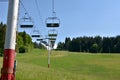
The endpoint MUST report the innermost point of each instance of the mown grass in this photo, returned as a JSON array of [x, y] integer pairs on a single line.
[[67, 66]]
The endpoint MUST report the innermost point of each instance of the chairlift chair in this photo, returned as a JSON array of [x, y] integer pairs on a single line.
[[39, 39], [52, 33], [26, 22], [52, 43], [52, 22], [35, 33], [52, 39]]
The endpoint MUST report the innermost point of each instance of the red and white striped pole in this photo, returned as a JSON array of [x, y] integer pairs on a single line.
[[10, 41]]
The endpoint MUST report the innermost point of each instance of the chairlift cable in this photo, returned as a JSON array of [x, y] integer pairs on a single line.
[[26, 18], [36, 2], [26, 12], [39, 12], [53, 9], [53, 6]]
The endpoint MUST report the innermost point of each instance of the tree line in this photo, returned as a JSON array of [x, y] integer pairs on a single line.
[[24, 41], [95, 44]]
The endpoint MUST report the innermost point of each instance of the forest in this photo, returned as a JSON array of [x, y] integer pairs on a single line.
[[95, 44]]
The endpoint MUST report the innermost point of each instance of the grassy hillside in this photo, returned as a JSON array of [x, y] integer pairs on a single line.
[[67, 66]]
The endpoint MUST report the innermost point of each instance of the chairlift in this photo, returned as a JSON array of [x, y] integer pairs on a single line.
[[52, 33], [52, 42], [52, 39], [53, 22], [35, 33], [44, 42], [39, 39], [26, 22]]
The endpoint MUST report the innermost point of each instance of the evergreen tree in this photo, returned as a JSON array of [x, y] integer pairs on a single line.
[[67, 43], [2, 37], [60, 46]]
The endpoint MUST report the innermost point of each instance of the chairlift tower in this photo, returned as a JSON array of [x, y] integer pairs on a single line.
[[7, 71], [52, 22]]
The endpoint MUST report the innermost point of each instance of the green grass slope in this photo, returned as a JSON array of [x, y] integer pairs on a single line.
[[67, 66]]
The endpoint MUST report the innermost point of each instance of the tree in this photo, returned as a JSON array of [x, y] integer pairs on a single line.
[[117, 44], [24, 42], [94, 48], [60, 46], [74, 45], [67, 43], [106, 45], [36, 45], [2, 37]]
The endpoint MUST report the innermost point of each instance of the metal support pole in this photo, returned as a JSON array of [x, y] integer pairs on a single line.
[[10, 41], [49, 58], [49, 52]]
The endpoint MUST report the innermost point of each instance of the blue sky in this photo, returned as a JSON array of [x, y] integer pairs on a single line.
[[78, 17]]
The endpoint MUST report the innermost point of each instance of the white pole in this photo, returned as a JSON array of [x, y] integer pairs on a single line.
[[10, 39], [49, 51]]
